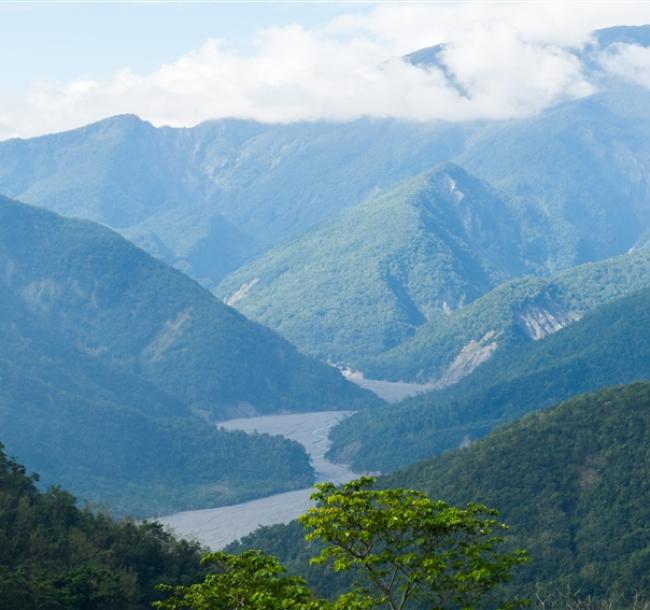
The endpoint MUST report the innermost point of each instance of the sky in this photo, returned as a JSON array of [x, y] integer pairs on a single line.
[[67, 64]]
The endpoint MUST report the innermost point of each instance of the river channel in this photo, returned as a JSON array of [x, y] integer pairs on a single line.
[[217, 527]]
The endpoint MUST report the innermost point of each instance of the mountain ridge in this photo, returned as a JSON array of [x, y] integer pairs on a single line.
[[607, 346], [399, 259], [109, 351]]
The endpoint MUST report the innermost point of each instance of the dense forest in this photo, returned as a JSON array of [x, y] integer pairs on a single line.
[[131, 312], [426, 246], [54, 556], [117, 440], [522, 310]]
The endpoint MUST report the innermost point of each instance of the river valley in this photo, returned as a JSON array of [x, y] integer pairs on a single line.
[[217, 527]]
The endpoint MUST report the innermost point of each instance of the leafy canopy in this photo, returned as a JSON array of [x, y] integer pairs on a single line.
[[252, 580], [408, 546]]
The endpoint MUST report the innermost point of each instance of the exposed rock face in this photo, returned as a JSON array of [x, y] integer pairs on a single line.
[[471, 356], [241, 292], [171, 331], [40, 295], [540, 320]]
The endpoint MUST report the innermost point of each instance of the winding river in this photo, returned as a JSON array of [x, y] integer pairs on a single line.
[[217, 527]]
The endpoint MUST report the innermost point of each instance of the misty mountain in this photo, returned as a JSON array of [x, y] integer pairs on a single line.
[[576, 182], [119, 441], [230, 196], [208, 198], [130, 311], [583, 164]]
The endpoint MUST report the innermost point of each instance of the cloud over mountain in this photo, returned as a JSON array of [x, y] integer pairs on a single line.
[[350, 67]]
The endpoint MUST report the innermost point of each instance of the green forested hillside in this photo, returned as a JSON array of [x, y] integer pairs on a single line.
[[109, 358], [127, 310], [364, 282], [54, 556], [608, 346], [119, 441], [573, 483], [584, 163], [208, 198], [450, 346]]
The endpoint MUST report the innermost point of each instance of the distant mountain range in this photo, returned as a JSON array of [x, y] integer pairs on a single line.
[[114, 364], [209, 198], [539, 195]]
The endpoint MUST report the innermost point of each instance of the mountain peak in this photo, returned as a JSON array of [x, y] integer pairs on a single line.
[[625, 34]]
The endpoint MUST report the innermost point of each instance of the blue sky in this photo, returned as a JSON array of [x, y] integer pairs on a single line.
[[65, 41], [68, 64]]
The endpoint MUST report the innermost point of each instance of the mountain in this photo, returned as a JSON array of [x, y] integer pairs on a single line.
[[574, 178], [117, 440], [54, 555], [584, 164], [114, 366], [571, 481], [219, 196], [208, 198], [448, 347], [607, 346], [128, 310], [363, 283]]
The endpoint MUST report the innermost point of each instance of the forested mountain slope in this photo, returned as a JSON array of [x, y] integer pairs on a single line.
[[364, 282], [584, 163], [610, 345], [108, 356], [208, 198], [117, 440], [572, 482], [127, 310], [54, 555], [450, 346]]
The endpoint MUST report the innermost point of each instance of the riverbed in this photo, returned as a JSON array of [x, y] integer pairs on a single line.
[[217, 527]]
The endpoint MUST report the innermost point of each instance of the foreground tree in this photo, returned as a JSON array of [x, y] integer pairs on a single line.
[[408, 548], [408, 551], [252, 580]]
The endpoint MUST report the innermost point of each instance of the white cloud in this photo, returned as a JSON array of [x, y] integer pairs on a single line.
[[512, 60], [629, 62]]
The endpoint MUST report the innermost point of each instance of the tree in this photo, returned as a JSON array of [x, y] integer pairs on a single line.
[[409, 548], [251, 581]]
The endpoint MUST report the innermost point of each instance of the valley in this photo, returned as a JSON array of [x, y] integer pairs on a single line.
[[211, 306], [218, 527]]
